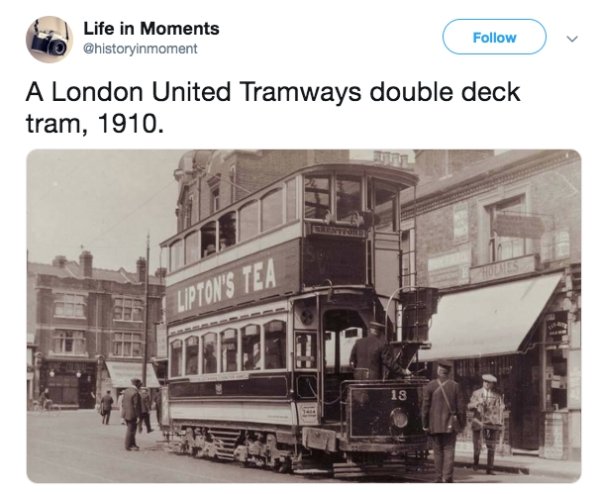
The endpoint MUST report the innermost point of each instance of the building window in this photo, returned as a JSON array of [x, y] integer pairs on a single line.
[[348, 198], [501, 246], [189, 208], [69, 342], [128, 309], [69, 305], [272, 210], [317, 197], [176, 358], [215, 203], [126, 344], [191, 355]]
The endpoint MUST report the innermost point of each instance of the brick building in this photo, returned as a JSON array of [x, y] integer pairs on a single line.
[[88, 328], [500, 235]]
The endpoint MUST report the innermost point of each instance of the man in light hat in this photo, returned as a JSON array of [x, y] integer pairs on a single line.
[[366, 357], [488, 409], [132, 412], [443, 415]]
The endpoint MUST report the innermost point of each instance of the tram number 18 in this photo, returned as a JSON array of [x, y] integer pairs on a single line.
[[399, 394]]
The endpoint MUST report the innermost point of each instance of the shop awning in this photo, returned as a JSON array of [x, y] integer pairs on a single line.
[[121, 374], [492, 320]]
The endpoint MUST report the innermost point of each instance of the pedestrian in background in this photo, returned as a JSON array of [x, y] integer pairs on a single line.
[[146, 403], [443, 415], [131, 412], [488, 408], [158, 406], [106, 403]]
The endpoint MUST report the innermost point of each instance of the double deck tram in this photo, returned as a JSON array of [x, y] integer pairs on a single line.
[[264, 302]]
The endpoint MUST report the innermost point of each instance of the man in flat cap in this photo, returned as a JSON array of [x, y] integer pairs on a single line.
[[366, 357], [443, 415], [131, 411], [488, 413]]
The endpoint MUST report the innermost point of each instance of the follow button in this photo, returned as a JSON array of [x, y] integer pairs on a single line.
[[494, 36]]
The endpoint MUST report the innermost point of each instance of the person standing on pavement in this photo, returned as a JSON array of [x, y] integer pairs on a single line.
[[488, 408], [106, 403], [146, 407], [131, 412], [443, 415]]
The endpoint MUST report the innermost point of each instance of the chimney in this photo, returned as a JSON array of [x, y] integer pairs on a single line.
[[161, 274], [141, 269], [85, 261], [59, 262]]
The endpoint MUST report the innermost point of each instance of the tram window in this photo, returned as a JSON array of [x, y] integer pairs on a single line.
[[385, 209], [251, 347], [191, 355], [272, 209], [229, 346], [176, 255], [275, 345], [176, 354], [209, 343], [192, 248], [290, 200], [317, 197], [226, 230], [348, 197], [208, 239], [249, 220], [306, 350]]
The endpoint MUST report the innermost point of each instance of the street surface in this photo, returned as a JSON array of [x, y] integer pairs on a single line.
[[74, 446]]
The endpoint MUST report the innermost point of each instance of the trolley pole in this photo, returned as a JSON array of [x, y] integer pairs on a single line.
[[146, 311]]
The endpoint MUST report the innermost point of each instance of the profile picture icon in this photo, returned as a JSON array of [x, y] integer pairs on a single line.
[[49, 39]]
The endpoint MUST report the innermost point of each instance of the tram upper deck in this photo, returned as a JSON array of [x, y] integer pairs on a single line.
[[328, 224]]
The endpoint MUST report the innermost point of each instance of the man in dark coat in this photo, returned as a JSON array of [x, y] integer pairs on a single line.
[[146, 407], [131, 411], [367, 355], [106, 403], [442, 398]]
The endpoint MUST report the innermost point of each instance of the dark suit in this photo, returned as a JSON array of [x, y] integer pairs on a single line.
[[106, 407], [367, 354], [131, 411], [436, 417]]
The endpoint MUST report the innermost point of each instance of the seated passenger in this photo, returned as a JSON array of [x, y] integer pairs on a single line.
[[210, 249]]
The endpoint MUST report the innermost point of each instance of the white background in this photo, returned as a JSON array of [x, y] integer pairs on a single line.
[[310, 42]]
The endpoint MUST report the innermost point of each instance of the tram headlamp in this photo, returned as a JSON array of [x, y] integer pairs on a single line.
[[399, 418]]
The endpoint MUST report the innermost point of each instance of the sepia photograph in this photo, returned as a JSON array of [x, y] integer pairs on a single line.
[[304, 316]]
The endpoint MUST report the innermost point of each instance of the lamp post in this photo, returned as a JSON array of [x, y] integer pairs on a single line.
[[146, 310]]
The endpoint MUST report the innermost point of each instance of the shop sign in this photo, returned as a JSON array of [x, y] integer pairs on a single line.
[[512, 225], [557, 326], [504, 269], [271, 272], [450, 268], [335, 230]]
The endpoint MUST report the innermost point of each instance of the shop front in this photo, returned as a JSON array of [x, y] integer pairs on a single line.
[[71, 383], [523, 332]]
